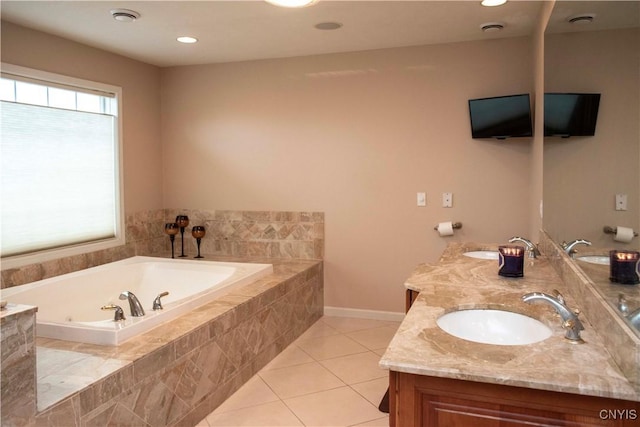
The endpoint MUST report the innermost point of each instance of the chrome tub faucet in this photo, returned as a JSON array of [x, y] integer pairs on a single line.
[[570, 320], [134, 303], [532, 248], [569, 248]]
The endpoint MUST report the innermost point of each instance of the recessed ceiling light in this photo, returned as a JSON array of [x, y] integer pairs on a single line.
[[583, 18], [124, 15], [187, 39], [328, 25], [491, 27], [291, 3], [491, 3]]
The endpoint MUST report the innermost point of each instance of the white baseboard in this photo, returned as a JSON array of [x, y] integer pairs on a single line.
[[364, 314]]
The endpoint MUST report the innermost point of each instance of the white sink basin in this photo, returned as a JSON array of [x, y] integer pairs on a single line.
[[594, 259], [482, 254], [493, 327]]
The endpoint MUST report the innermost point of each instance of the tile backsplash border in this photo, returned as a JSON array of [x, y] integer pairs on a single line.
[[270, 234]]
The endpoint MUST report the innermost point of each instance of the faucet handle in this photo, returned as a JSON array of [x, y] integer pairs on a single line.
[[157, 304], [118, 315], [558, 296]]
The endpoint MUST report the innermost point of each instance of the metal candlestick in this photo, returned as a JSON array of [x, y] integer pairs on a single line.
[[182, 221], [198, 232], [171, 228]]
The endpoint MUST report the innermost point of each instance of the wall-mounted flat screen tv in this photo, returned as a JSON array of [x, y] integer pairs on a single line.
[[570, 114], [501, 117]]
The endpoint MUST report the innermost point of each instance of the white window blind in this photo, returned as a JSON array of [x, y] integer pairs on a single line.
[[59, 166]]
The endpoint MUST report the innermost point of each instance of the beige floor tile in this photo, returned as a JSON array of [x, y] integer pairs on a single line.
[[290, 356], [380, 422], [319, 329], [272, 414], [253, 392], [356, 368], [337, 407], [373, 390], [350, 324], [329, 347], [374, 338], [300, 379]]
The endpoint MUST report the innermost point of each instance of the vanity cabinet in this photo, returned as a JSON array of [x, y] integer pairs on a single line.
[[419, 400]]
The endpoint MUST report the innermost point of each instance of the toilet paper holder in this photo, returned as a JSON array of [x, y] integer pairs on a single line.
[[455, 226], [611, 230]]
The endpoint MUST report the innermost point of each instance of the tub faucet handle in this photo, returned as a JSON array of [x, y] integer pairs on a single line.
[[119, 314], [157, 304]]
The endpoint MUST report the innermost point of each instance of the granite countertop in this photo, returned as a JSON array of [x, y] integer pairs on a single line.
[[459, 282]]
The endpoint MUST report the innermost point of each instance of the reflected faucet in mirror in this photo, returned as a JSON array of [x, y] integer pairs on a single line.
[[569, 248], [634, 316]]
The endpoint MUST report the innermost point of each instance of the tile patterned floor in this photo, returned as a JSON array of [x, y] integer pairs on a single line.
[[327, 377]]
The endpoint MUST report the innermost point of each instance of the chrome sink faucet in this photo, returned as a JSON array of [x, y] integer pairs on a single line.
[[570, 320], [569, 247], [532, 249], [134, 303]]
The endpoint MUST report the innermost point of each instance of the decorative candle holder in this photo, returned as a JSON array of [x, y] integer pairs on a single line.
[[182, 221], [171, 229], [511, 261], [624, 267], [198, 233]]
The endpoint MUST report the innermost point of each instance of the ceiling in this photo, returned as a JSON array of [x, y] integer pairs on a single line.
[[243, 30]]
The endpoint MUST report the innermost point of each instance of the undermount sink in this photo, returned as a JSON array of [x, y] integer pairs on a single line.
[[594, 259], [482, 254], [496, 327]]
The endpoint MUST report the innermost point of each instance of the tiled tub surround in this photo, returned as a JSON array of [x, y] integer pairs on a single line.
[[269, 234], [179, 372], [457, 282], [621, 342], [18, 387]]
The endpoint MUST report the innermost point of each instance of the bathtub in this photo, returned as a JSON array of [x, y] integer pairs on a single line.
[[69, 306]]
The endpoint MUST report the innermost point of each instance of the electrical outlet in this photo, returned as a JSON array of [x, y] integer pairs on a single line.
[[621, 202], [422, 199], [447, 200]]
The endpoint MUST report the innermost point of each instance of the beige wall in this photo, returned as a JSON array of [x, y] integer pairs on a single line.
[[141, 101], [583, 174], [355, 136]]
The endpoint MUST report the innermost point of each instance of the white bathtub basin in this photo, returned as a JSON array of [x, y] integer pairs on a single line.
[[69, 306], [496, 327]]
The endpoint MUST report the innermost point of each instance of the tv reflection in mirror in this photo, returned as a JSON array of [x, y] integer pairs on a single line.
[[570, 114], [501, 117]]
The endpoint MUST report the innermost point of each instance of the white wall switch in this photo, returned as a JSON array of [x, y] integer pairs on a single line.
[[422, 199], [447, 200], [621, 202]]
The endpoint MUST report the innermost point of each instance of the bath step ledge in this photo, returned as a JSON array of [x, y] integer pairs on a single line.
[[391, 316]]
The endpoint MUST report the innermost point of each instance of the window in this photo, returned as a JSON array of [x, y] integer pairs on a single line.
[[60, 191]]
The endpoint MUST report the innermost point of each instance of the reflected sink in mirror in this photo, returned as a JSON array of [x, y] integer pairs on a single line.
[[594, 259], [497, 327], [482, 254]]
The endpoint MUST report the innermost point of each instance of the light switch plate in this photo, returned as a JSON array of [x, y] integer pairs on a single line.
[[447, 200], [621, 202], [421, 199]]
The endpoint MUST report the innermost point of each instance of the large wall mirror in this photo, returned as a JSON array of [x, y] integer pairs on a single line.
[[599, 52]]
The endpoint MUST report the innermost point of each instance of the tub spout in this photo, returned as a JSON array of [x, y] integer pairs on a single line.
[[134, 303]]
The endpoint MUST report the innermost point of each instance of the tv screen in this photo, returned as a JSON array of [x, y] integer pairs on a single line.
[[501, 117], [570, 114]]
